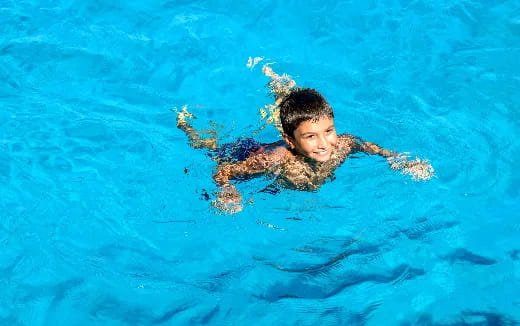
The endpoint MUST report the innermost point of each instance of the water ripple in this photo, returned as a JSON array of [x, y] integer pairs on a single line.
[[303, 288], [464, 255]]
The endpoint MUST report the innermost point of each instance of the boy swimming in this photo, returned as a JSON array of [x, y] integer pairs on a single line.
[[306, 157]]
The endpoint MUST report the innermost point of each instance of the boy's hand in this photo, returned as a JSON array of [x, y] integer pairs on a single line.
[[228, 200], [182, 115], [418, 169]]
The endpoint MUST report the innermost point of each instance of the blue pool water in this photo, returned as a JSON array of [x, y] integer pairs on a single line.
[[104, 217]]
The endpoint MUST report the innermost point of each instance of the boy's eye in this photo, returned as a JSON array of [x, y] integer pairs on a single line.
[[310, 137]]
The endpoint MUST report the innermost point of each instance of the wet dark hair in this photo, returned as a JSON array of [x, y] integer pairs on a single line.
[[302, 104]]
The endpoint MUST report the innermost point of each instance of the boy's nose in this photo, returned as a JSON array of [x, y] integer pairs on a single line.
[[322, 142]]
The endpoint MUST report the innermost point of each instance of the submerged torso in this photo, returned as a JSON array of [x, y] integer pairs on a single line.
[[289, 168], [298, 172]]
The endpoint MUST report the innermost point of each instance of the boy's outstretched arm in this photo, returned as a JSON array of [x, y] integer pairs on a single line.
[[228, 198], [196, 140], [372, 148], [280, 85], [355, 144], [418, 169]]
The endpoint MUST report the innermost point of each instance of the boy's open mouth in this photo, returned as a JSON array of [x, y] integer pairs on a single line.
[[322, 154]]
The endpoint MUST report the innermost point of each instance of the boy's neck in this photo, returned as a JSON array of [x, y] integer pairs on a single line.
[[313, 164]]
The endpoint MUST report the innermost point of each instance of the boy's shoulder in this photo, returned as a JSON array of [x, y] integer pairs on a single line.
[[275, 155], [279, 151], [347, 140], [272, 152], [346, 145]]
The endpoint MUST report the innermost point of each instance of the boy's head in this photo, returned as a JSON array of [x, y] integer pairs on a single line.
[[302, 104], [308, 124]]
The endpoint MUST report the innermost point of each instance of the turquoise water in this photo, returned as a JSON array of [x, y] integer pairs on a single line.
[[104, 211]]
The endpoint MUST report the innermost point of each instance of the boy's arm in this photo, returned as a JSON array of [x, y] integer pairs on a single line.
[[255, 164], [228, 199], [356, 144], [372, 148], [418, 169]]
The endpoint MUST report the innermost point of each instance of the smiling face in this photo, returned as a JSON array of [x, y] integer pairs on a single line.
[[315, 139]]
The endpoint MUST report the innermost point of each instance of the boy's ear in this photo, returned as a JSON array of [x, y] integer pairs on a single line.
[[289, 140]]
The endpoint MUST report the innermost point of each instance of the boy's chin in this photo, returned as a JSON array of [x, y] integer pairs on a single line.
[[321, 158]]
